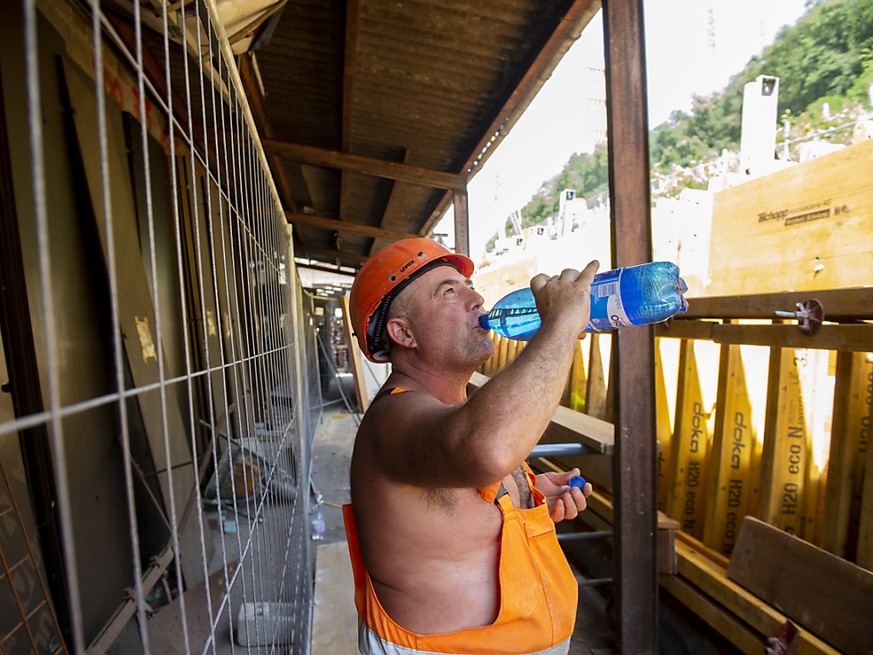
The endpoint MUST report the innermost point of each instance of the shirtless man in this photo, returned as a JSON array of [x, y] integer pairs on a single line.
[[451, 536]]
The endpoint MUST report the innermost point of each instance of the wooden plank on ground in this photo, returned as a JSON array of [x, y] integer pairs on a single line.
[[737, 632], [705, 571], [697, 566], [823, 592]]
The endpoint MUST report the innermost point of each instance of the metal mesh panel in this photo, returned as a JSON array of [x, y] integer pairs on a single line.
[[160, 381]]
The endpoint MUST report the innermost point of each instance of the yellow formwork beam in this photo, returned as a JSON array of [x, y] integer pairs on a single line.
[[786, 455], [865, 528], [663, 429], [850, 439], [510, 352], [730, 458], [578, 379], [502, 351], [595, 392], [686, 499]]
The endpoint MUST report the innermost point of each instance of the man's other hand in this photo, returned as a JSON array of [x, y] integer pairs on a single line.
[[565, 502]]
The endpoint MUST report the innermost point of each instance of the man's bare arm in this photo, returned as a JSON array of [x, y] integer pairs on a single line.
[[423, 442]]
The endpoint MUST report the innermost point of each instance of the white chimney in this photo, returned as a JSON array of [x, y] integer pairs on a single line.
[[758, 134]]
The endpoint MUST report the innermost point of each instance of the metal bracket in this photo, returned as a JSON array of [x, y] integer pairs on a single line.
[[809, 315]]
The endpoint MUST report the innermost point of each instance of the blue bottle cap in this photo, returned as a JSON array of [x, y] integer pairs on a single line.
[[577, 481]]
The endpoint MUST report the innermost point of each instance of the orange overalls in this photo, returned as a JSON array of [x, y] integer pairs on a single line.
[[538, 593]]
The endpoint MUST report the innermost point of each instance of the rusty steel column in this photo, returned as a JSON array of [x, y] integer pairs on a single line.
[[634, 472]]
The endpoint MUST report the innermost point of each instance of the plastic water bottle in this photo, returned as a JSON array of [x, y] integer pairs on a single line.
[[634, 295], [318, 526]]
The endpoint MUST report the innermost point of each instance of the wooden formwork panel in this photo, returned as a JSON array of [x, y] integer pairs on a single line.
[[807, 227]]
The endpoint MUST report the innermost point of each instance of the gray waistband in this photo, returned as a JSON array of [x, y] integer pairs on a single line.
[[369, 643]]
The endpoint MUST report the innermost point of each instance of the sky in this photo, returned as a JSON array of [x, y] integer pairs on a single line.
[[692, 48]]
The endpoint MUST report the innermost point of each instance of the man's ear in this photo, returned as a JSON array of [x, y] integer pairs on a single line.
[[400, 332]]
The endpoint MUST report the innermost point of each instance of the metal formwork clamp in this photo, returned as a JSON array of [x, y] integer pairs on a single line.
[[809, 315]]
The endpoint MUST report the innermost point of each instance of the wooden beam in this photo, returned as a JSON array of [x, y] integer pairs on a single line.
[[256, 102], [324, 269], [152, 69], [326, 255], [865, 527], [350, 64], [462, 222], [856, 338], [365, 165], [636, 452], [565, 34], [350, 58], [344, 226], [729, 462], [848, 338], [390, 205], [839, 304]]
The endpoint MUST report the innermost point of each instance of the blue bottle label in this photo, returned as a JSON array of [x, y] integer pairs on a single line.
[[617, 316], [607, 308]]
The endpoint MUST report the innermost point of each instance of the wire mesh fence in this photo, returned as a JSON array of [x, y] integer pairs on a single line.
[[160, 383]]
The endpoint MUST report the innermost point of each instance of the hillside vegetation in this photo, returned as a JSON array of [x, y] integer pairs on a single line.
[[826, 59]]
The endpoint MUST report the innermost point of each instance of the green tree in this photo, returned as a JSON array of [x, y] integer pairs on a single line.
[[826, 57]]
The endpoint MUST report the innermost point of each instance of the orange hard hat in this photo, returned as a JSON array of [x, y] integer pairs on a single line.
[[382, 277]]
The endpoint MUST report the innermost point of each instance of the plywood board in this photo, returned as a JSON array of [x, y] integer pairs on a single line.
[[356, 358], [803, 228], [710, 577], [168, 438]]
